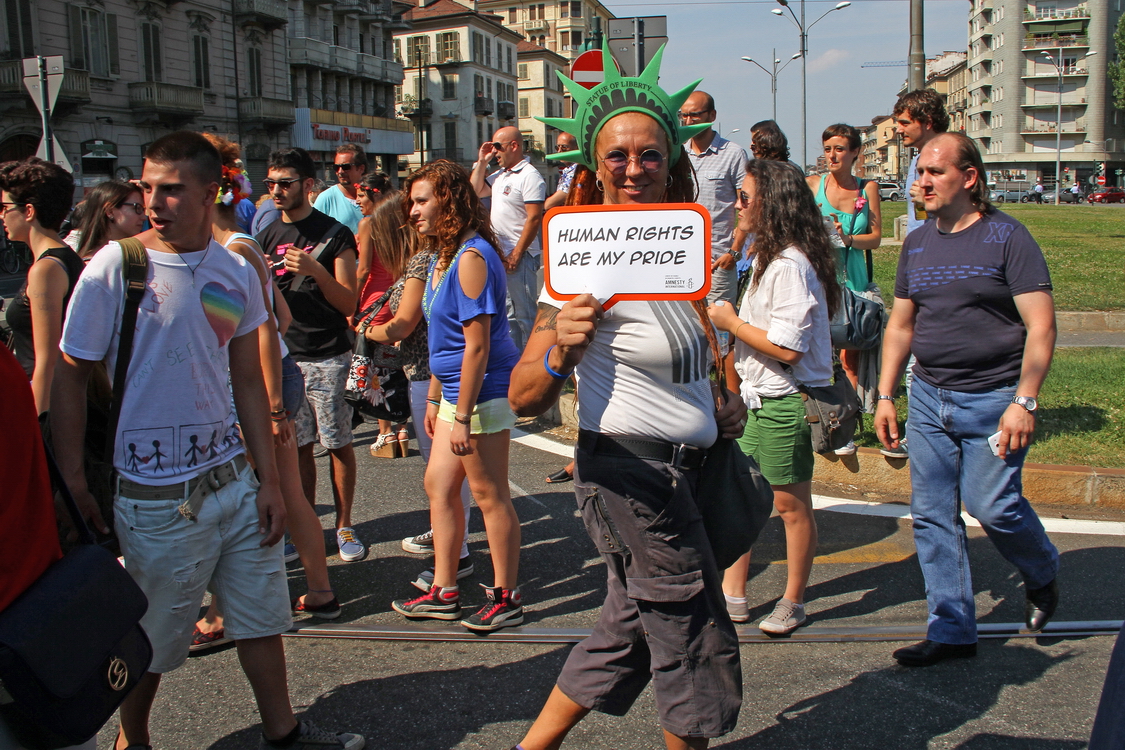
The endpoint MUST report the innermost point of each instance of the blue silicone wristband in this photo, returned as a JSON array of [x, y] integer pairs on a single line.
[[552, 373]]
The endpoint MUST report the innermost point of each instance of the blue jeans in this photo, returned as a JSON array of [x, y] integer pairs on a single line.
[[523, 296], [950, 465], [1109, 723]]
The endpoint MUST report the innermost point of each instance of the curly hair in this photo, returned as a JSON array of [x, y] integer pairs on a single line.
[[231, 154], [585, 190], [786, 215], [768, 142], [394, 240], [458, 205], [39, 183], [842, 130], [924, 106], [94, 227]]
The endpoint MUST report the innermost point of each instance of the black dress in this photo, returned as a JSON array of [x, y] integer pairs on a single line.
[[18, 312]]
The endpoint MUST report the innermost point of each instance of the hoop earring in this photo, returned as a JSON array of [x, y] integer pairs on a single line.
[[598, 184]]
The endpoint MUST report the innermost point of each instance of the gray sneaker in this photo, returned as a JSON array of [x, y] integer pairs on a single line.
[[738, 611], [900, 452], [787, 616], [312, 737]]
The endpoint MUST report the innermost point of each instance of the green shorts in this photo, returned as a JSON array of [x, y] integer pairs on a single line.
[[492, 416], [779, 439]]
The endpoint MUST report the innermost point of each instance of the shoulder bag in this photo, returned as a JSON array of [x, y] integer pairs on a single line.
[[377, 386], [832, 411], [71, 646], [102, 415], [733, 497], [858, 324]]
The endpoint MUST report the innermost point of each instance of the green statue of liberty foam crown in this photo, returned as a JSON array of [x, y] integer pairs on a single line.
[[618, 94]]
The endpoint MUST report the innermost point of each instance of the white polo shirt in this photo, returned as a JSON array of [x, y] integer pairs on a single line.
[[511, 189]]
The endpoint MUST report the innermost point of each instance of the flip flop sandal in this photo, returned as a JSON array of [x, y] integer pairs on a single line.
[[201, 641]]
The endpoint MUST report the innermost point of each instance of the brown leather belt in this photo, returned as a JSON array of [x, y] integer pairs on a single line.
[[193, 491]]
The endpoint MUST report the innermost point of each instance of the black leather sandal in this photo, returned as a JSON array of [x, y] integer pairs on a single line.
[[560, 476]]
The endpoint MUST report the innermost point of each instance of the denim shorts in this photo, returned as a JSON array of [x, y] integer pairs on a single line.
[[292, 386], [175, 561], [324, 414]]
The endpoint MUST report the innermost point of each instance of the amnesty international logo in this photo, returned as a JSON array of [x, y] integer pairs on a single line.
[[117, 674]]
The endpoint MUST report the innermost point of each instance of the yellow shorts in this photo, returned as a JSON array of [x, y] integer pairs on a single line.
[[487, 418]]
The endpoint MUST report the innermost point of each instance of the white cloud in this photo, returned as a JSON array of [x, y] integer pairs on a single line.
[[828, 60]]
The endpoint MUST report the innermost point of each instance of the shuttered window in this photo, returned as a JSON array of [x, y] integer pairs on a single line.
[[254, 70], [93, 41], [151, 52], [201, 61], [21, 38]]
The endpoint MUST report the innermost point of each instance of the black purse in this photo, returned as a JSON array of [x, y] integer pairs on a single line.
[[858, 324], [733, 497], [71, 646]]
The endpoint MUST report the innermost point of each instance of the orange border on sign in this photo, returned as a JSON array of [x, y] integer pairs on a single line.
[[688, 296]]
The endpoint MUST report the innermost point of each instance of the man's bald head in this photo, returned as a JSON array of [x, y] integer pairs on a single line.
[[701, 105], [511, 146], [951, 169]]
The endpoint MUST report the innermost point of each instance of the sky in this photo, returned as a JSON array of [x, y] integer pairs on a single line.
[[708, 39]]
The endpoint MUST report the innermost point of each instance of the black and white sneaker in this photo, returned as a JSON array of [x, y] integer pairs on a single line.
[[504, 609], [426, 577], [436, 604], [312, 737], [423, 544]]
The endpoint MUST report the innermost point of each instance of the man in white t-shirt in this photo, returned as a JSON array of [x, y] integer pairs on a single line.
[[339, 201], [190, 513], [518, 192]]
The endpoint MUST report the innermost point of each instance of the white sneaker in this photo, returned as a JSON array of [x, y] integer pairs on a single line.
[[351, 549], [423, 544], [786, 617], [900, 452], [847, 450]]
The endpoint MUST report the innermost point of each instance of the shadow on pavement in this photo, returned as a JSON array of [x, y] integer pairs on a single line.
[[914, 706]]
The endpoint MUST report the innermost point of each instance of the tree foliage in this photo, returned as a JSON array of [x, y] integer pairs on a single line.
[[1117, 66]]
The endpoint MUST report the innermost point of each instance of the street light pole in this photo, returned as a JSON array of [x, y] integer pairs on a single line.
[[773, 75], [804, 35], [1058, 119]]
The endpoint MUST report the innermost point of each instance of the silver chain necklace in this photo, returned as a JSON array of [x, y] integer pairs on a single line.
[[197, 265]]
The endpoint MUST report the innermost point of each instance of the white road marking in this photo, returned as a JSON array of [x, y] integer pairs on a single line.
[[861, 507]]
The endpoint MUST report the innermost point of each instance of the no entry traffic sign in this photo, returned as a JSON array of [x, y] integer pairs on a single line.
[[587, 70]]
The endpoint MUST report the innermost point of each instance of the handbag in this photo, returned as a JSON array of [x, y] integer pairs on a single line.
[[832, 411], [858, 324], [103, 401], [733, 497], [71, 646], [377, 387]]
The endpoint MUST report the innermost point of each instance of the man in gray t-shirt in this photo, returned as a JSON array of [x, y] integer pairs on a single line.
[[719, 167]]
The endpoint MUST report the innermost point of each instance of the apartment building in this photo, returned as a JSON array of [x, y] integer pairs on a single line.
[[883, 154], [540, 93], [460, 79], [135, 71], [343, 77], [562, 26], [1013, 88]]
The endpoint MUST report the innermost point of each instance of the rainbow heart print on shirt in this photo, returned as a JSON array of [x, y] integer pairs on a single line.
[[224, 309]]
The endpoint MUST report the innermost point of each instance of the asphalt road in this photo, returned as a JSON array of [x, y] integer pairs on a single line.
[[1025, 693]]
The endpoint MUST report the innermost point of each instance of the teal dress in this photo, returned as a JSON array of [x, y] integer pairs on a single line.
[[851, 260]]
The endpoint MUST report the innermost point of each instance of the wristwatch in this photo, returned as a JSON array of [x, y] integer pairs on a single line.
[[885, 397], [1028, 402]]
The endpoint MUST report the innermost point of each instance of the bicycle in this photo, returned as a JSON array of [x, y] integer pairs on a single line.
[[14, 256]]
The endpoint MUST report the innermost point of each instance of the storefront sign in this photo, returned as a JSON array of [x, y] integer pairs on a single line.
[[339, 135]]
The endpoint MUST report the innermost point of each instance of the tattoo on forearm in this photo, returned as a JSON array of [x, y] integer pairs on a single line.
[[545, 320]]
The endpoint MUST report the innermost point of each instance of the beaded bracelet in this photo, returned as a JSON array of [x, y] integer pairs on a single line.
[[550, 371], [433, 401]]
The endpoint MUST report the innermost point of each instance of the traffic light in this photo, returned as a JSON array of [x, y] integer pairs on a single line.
[[1100, 169]]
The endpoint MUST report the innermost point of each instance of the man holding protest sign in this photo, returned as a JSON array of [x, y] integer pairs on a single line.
[[518, 192], [648, 414]]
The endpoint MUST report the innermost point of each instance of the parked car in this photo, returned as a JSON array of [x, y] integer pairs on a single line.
[[1065, 197], [1009, 196], [891, 191], [1108, 195]]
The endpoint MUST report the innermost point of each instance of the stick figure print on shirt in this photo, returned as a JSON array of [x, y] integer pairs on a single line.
[[194, 451], [157, 455], [132, 461]]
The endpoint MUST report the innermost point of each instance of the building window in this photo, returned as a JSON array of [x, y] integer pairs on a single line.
[[201, 61], [575, 39], [576, 10], [151, 62], [478, 85], [523, 107], [398, 94], [448, 86], [523, 72], [449, 47], [509, 59], [564, 40], [417, 51], [488, 88], [564, 9], [478, 47], [93, 38], [398, 51], [254, 70], [21, 35], [336, 35], [512, 13], [550, 108], [488, 53], [450, 138]]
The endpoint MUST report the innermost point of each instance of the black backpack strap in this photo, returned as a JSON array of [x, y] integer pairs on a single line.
[[299, 279], [135, 271], [85, 536]]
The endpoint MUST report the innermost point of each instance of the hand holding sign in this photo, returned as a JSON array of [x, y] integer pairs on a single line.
[[659, 251]]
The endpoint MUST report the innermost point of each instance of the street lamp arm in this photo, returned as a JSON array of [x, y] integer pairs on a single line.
[[755, 62], [841, 6]]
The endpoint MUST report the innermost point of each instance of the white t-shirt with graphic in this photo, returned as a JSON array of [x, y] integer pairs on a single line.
[[176, 418], [512, 189], [646, 374]]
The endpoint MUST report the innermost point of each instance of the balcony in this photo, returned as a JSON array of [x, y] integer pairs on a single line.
[[1055, 41], [375, 10], [269, 14], [1031, 127], [483, 105], [398, 23], [416, 108], [312, 53], [537, 26], [985, 105], [506, 110], [75, 86], [1053, 14], [378, 69], [263, 112], [343, 60], [453, 154], [165, 102], [350, 6], [1051, 99]]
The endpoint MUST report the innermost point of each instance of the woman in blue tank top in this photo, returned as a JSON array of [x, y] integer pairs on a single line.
[[467, 413]]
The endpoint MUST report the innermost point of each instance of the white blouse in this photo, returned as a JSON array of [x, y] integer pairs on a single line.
[[788, 303]]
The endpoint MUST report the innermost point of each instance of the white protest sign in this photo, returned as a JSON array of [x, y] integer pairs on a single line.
[[640, 252]]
